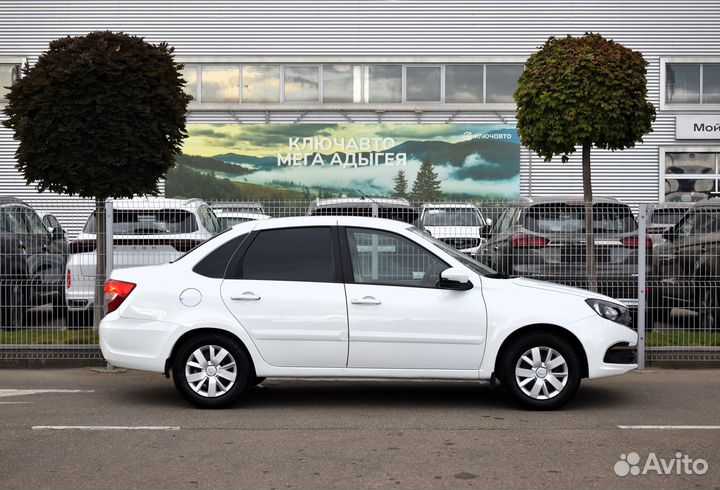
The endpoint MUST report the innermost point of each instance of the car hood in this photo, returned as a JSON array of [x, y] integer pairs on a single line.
[[454, 231], [559, 288]]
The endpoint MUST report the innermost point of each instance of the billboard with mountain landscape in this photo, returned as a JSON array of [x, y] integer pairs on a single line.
[[295, 161]]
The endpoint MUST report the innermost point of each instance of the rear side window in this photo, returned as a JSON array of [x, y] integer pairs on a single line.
[[216, 262], [148, 222], [570, 218], [290, 254]]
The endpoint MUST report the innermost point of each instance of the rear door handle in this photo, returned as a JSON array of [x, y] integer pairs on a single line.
[[367, 300], [246, 296]]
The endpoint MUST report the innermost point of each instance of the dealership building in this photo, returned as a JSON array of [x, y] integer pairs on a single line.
[[410, 62]]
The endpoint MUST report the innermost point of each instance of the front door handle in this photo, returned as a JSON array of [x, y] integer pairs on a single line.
[[367, 300], [246, 296]]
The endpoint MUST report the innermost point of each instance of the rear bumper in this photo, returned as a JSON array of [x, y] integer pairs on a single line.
[[136, 344]]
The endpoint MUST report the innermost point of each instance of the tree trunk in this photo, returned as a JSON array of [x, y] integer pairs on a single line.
[[590, 269], [100, 262]]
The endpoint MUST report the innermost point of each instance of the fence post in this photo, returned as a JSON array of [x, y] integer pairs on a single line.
[[642, 283], [108, 238]]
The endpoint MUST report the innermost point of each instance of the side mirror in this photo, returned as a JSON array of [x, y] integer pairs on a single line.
[[53, 226], [489, 222], [456, 279], [670, 234]]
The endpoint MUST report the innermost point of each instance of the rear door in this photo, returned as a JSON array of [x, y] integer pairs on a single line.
[[286, 292]]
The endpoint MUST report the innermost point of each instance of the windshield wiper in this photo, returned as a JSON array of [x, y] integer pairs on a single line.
[[498, 275]]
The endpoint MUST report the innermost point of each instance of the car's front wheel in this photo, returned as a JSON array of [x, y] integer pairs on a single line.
[[212, 371], [540, 371]]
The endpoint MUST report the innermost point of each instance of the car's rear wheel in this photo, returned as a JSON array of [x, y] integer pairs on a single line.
[[540, 371], [212, 371]]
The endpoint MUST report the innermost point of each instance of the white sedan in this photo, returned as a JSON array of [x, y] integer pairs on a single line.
[[349, 297]]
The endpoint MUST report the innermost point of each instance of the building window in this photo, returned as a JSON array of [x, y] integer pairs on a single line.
[[423, 84], [302, 83], [502, 81], [190, 75], [220, 83], [384, 83], [692, 83], [464, 83], [261, 83], [342, 83], [9, 73], [691, 176], [387, 83]]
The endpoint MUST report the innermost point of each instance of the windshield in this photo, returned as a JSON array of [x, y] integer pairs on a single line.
[[452, 217], [148, 222], [668, 216], [471, 264], [570, 218]]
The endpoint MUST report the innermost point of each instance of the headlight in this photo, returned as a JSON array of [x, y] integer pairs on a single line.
[[610, 311]]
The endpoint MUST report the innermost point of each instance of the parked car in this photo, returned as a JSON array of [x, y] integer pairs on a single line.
[[348, 297], [395, 209], [146, 231], [32, 261], [238, 207], [228, 219], [686, 267], [544, 238], [663, 217], [461, 225]]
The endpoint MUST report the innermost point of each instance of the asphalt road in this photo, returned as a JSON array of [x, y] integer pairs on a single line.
[[339, 434]]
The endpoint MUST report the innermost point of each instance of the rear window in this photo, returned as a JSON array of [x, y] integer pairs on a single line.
[[570, 218], [148, 222], [397, 213], [452, 217], [668, 216]]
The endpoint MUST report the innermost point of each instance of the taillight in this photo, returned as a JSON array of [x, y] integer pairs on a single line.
[[82, 246], [68, 283], [116, 292], [529, 241], [634, 241]]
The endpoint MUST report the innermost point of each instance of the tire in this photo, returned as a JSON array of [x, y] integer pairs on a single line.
[[191, 360], [708, 306], [524, 360], [75, 320], [12, 306]]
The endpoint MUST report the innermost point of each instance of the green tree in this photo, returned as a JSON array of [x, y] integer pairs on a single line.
[[426, 187], [401, 185], [102, 116], [583, 92]]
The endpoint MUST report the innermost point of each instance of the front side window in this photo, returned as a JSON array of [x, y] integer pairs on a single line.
[[290, 254], [209, 220], [33, 223], [700, 221], [384, 258]]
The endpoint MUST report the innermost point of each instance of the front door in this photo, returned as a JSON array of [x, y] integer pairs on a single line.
[[398, 316], [288, 295]]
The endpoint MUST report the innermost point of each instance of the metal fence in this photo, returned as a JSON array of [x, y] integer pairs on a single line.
[[659, 259]]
